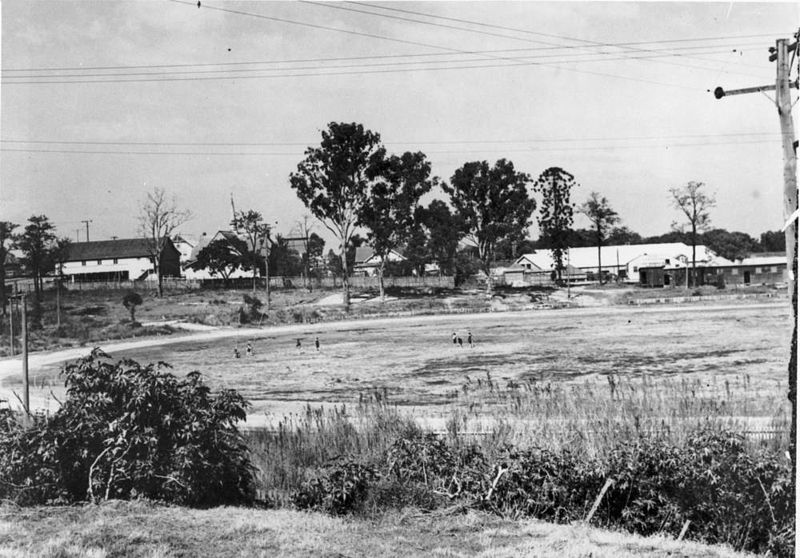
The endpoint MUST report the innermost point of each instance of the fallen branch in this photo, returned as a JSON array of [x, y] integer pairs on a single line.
[[500, 472], [769, 504], [684, 529], [609, 483]]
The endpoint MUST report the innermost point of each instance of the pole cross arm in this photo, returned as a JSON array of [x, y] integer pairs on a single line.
[[719, 92]]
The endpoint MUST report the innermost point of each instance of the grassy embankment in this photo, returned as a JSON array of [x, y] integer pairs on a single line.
[[139, 529]]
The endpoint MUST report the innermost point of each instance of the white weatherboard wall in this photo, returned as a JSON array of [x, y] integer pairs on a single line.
[[135, 267]]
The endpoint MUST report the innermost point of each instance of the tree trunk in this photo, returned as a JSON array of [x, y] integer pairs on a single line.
[[345, 279], [694, 247], [599, 262], [381, 270], [3, 284], [157, 269]]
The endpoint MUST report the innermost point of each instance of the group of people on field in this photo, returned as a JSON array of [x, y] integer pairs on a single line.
[[460, 342], [457, 341]]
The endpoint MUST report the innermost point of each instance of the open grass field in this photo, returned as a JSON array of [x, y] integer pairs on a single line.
[[142, 530], [413, 360]]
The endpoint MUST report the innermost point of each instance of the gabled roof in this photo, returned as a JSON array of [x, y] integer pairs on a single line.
[[366, 257], [363, 253], [107, 249]]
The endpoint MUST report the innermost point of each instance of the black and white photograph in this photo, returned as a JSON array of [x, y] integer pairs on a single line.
[[398, 278]]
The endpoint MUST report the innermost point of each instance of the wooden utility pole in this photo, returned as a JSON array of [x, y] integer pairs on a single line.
[[266, 264], [11, 324], [783, 100], [87, 221], [26, 402], [783, 84]]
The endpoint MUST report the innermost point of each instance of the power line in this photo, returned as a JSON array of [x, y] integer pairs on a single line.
[[438, 47], [346, 73], [518, 30], [374, 57], [441, 152], [419, 142], [308, 68], [589, 44]]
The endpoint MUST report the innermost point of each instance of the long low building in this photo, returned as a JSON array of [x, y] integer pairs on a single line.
[[625, 261], [118, 260]]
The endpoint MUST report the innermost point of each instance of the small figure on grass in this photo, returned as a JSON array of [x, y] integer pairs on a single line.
[[455, 338], [298, 344], [460, 343], [316, 342], [469, 339], [236, 353], [249, 349]]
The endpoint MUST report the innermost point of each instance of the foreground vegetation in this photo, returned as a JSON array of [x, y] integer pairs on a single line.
[[147, 530], [128, 431], [372, 459]]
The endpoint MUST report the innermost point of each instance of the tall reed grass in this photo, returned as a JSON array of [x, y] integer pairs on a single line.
[[594, 417], [591, 418]]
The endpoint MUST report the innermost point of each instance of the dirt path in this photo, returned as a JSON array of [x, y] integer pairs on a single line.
[[37, 361]]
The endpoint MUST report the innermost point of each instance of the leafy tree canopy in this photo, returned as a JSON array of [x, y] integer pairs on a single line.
[[490, 204], [730, 245], [556, 211], [223, 256]]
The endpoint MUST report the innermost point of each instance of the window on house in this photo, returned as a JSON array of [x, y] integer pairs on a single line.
[[116, 260], [83, 262], [99, 262], [765, 270], [774, 269], [635, 269], [734, 271]]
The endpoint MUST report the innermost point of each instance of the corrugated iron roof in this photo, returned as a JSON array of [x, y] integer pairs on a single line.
[[107, 249]]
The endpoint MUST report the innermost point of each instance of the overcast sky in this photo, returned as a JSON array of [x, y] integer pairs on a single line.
[[223, 99]]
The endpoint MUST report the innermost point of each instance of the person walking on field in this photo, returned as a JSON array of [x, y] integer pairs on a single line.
[[469, 339], [455, 338], [298, 345], [249, 349], [460, 343], [316, 342]]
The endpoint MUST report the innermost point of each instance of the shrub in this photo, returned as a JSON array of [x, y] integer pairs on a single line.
[[127, 430], [340, 487], [130, 301], [250, 312]]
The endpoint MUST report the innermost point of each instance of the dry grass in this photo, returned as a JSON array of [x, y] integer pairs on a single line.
[[141, 529], [415, 360]]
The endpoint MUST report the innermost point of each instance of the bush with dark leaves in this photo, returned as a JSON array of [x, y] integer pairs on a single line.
[[127, 430]]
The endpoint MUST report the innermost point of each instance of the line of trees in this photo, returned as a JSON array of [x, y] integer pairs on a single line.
[[352, 185], [42, 253]]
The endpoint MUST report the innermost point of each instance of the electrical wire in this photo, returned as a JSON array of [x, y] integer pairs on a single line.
[[10, 79], [419, 142], [351, 58], [440, 152], [526, 31]]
